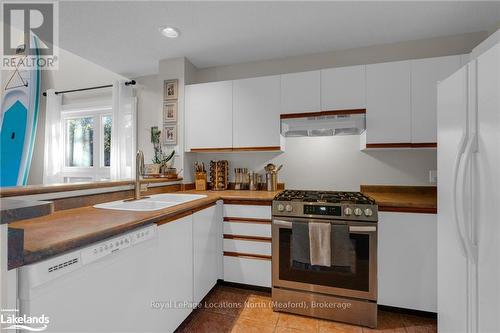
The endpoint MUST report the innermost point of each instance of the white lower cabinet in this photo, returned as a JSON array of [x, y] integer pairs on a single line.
[[407, 260], [206, 250], [189, 260], [255, 272], [248, 211], [247, 244], [248, 229], [175, 271]]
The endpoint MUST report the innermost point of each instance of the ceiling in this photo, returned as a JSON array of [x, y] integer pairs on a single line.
[[124, 36]]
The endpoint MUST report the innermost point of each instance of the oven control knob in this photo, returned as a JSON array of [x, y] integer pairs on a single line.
[[368, 212], [358, 211], [347, 211], [281, 208], [288, 208]]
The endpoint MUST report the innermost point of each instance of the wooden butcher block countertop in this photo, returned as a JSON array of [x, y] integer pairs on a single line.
[[70, 229], [407, 199]]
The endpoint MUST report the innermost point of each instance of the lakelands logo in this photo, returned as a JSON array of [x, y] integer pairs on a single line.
[[30, 35], [10, 320]]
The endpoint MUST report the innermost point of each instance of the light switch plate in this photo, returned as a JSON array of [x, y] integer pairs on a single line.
[[433, 177]]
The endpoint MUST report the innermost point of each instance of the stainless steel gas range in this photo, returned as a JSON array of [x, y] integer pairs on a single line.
[[324, 255]]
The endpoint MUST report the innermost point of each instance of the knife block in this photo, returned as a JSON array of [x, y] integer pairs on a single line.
[[200, 181]]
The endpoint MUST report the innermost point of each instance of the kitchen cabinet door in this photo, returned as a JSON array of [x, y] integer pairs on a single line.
[[256, 112], [407, 260], [209, 110], [300, 92], [388, 112], [343, 88], [175, 270], [207, 254], [425, 74]]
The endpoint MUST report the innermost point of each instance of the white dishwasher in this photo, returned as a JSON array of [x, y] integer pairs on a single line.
[[105, 287]]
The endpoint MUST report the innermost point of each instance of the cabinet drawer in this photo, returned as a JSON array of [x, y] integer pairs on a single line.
[[247, 246], [247, 229], [257, 212], [255, 272]]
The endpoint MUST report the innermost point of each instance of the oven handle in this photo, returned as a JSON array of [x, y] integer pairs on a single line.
[[352, 228], [282, 223], [355, 228]]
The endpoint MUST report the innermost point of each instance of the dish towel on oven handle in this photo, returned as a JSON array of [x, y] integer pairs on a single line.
[[300, 243], [342, 247], [320, 243]]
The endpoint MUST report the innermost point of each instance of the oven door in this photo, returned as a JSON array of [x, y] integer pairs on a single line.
[[358, 279]]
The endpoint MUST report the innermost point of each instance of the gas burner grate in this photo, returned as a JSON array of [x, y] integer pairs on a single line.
[[324, 196]]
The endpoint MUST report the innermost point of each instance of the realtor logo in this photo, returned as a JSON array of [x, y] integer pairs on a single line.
[[11, 320], [30, 35]]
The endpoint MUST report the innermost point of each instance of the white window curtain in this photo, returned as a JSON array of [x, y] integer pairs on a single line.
[[54, 142], [123, 131]]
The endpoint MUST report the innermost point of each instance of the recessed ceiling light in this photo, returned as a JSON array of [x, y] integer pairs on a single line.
[[169, 32]]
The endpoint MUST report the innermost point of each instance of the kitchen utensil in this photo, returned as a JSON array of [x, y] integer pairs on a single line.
[[241, 179], [272, 176], [254, 181]]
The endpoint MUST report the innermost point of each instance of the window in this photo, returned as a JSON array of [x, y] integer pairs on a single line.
[[80, 142], [106, 144], [87, 144]]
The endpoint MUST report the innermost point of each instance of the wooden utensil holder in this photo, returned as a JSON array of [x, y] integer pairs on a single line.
[[200, 181]]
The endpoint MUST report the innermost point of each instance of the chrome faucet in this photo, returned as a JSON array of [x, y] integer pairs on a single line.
[[139, 173]]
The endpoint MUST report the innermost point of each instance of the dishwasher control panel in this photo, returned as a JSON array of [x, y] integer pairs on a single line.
[[107, 247]]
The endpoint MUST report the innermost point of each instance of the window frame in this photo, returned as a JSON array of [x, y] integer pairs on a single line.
[[98, 171]]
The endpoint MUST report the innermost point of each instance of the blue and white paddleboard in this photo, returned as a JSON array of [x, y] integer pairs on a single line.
[[19, 116]]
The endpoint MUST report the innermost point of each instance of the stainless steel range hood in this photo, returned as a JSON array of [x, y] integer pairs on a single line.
[[325, 123]]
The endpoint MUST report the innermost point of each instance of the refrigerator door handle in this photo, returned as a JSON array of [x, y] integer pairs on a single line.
[[467, 156], [459, 214], [456, 169]]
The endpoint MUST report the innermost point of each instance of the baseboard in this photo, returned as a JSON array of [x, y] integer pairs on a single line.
[[417, 313], [243, 286]]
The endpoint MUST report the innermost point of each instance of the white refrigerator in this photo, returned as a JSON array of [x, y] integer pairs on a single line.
[[469, 197]]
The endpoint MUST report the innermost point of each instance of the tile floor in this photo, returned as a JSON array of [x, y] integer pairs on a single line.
[[234, 310]]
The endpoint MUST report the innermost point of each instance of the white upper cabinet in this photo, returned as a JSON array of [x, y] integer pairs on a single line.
[[209, 115], [388, 112], [256, 112], [300, 92], [343, 88], [425, 74]]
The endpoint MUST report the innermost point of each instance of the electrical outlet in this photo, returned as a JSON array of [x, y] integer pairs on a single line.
[[433, 177]]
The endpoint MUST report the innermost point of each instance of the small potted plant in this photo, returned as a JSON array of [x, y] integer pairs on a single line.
[[164, 161]]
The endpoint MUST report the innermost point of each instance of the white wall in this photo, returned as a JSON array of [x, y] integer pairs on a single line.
[[425, 48], [150, 96], [335, 163]]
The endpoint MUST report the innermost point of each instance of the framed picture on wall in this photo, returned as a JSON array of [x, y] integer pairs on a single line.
[[170, 134], [170, 90], [169, 111]]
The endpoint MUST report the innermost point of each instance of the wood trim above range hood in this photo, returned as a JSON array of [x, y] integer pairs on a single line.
[[322, 113], [402, 145]]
